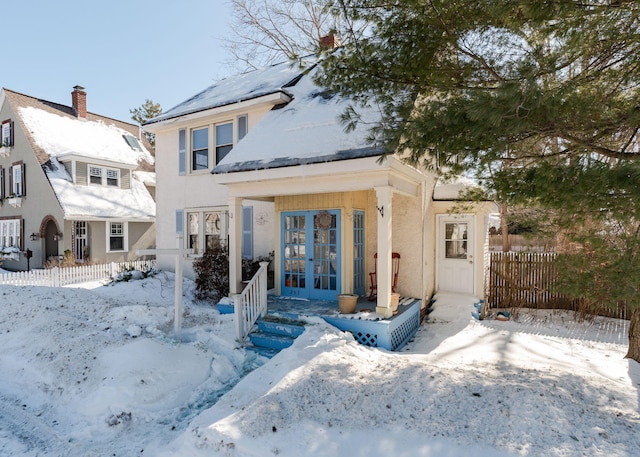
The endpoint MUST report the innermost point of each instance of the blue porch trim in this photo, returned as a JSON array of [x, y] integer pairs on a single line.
[[365, 326], [391, 334]]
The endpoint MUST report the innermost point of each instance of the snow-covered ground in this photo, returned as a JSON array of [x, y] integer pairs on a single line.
[[96, 371]]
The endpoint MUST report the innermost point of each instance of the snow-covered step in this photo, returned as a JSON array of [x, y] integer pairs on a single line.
[[271, 340], [280, 326]]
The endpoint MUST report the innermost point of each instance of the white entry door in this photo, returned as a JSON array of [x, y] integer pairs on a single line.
[[455, 253]]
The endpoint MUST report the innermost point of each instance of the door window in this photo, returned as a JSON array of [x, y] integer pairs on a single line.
[[456, 240]]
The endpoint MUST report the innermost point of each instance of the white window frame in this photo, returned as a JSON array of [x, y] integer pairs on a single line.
[[17, 187], [115, 174], [192, 151], [125, 236], [6, 134], [194, 225], [201, 213], [212, 143], [10, 233], [93, 170]]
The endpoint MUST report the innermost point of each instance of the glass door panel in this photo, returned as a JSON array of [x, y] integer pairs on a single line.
[[310, 254]]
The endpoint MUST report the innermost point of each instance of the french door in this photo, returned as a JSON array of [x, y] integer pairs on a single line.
[[311, 254]]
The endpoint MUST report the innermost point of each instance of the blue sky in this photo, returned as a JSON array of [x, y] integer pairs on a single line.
[[122, 52]]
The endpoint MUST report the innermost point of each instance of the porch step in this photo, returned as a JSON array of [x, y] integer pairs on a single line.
[[281, 326], [271, 340], [274, 334]]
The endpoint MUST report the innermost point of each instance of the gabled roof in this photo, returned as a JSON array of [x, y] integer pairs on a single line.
[[307, 130], [247, 86], [54, 132], [44, 113]]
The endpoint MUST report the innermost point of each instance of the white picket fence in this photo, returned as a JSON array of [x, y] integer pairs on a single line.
[[57, 277]]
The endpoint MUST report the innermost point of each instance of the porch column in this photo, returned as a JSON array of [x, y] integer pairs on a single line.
[[384, 268], [235, 245]]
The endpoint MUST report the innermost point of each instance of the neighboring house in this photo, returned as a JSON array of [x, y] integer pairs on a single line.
[[323, 200], [72, 181]]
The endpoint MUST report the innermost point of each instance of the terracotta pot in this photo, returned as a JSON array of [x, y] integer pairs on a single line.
[[347, 303]]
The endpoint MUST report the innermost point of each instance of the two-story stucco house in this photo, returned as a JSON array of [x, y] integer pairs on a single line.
[[324, 199], [71, 181]]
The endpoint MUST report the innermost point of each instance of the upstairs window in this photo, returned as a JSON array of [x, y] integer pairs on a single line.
[[17, 180], [224, 140], [211, 144], [6, 133], [200, 149], [95, 175], [104, 176], [113, 176]]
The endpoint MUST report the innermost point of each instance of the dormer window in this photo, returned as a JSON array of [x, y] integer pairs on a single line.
[[113, 176], [103, 176], [95, 175]]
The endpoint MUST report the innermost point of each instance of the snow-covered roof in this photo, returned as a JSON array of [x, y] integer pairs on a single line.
[[55, 134], [148, 178], [100, 202], [247, 86], [306, 130], [62, 135], [453, 189]]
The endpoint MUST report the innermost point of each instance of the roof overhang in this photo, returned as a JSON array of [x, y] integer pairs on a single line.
[[230, 109], [79, 157], [340, 176]]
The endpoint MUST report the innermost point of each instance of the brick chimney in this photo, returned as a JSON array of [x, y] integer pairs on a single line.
[[329, 41], [79, 101]]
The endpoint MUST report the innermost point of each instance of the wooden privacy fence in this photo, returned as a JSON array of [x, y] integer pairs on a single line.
[[524, 279], [57, 277]]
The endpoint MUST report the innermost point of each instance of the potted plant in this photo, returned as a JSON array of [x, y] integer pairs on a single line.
[[347, 303]]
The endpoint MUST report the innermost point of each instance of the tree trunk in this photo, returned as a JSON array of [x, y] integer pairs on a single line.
[[504, 228], [634, 336]]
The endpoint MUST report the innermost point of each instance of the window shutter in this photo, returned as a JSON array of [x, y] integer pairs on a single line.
[[24, 179], [182, 152], [11, 134], [2, 195], [179, 222], [247, 232], [11, 179], [243, 122]]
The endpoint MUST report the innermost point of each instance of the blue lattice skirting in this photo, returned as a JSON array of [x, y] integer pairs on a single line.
[[391, 334]]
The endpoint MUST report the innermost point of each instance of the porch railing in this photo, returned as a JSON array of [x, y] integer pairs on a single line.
[[251, 303]]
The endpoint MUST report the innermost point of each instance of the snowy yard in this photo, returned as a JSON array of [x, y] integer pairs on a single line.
[[96, 371]]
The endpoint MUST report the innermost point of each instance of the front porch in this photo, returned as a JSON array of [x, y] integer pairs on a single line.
[[367, 327]]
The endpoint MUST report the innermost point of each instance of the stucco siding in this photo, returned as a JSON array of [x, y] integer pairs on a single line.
[[38, 202], [198, 191]]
